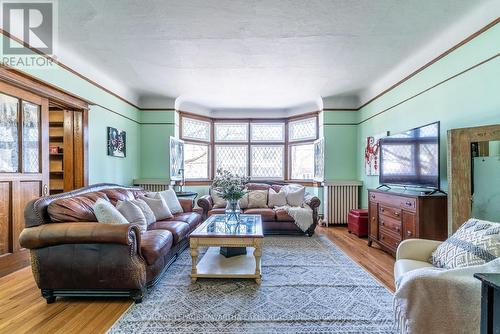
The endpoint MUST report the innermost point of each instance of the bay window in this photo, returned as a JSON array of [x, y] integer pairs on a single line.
[[275, 149]]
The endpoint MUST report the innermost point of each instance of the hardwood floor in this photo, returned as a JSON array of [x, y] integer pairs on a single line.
[[372, 259], [23, 310]]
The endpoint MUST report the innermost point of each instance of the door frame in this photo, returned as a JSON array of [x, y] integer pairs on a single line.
[[27, 88]]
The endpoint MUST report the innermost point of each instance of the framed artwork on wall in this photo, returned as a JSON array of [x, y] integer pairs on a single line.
[[372, 153], [117, 143], [176, 159], [319, 160]]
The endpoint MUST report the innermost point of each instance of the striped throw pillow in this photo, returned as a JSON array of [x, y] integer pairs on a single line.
[[475, 242]]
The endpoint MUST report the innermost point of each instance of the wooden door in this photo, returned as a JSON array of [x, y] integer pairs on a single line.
[[24, 169]]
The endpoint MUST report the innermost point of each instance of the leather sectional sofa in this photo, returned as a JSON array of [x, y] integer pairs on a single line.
[[273, 221], [74, 255]]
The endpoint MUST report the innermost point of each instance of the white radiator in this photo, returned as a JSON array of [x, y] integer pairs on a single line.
[[152, 185], [339, 198]]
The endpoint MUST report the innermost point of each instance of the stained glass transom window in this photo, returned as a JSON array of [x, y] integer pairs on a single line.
[[228, 132], [303, 129], [195, 129], [267, 132]]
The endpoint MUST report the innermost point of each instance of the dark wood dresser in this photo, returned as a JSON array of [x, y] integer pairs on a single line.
[[395, 216]]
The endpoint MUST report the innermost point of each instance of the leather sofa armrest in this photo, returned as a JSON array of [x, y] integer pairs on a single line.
[[206, 203], [312, 201], [416, 249], [187, 204], [80, 233]]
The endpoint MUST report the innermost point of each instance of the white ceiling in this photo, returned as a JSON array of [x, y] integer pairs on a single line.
[[245, 54]]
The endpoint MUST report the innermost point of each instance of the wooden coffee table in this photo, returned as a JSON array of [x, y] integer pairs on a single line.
[[215, 233]]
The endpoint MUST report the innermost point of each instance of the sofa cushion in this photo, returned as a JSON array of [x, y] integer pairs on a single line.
[[257, 186], [216, 211], [403, 266], [118, 194], [193, 219], [283, 216], [154, 244], [178, 229], [266, 213], [75, 208]]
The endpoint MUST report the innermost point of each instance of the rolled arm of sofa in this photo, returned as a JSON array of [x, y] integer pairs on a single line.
[[206, 203], [187, 204], [416, 249], [312, 201], [79, 233]]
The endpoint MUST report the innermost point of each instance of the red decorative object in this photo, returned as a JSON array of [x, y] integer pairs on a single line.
[[53, 149], [357, 222]]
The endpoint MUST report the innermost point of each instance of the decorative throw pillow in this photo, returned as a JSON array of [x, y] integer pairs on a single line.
[[106, 213], [219, 202], [295, 195], [475, 242], [146, 210], [171, 199], [159, 207], [133, 214], [244, 200], [257, 199], [276, 199]]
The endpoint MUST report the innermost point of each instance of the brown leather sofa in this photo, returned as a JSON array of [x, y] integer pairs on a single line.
[[74, 255], [273, 221]]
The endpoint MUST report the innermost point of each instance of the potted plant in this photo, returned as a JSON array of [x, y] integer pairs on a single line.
[[230, 187]]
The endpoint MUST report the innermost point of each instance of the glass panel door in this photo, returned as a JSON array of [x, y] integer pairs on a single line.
[[9, 136], [31, 138]]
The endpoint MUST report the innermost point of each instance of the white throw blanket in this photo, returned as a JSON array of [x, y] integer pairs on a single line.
[[303, 216], [433, 300]]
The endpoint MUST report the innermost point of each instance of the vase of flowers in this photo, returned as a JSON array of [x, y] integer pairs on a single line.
[[230, 187]]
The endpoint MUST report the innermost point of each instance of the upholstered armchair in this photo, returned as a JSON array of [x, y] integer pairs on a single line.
[[435, 300]]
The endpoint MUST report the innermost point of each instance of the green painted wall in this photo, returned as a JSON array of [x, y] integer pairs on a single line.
[[156, 129], [108, 111], [340, 133], [468, 99]]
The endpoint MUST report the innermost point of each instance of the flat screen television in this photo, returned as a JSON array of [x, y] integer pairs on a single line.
[[411, 158]]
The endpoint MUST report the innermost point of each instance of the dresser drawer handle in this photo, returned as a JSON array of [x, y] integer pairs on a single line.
[[398, 228], [396, 213], [382, 223], [373, 196], [409, 203], [408, 233], [382, 209]]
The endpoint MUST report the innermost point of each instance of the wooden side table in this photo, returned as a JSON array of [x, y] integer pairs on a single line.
[[490, 303]]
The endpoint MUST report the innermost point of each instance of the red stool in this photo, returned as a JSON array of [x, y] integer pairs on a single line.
[[357, 222]]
